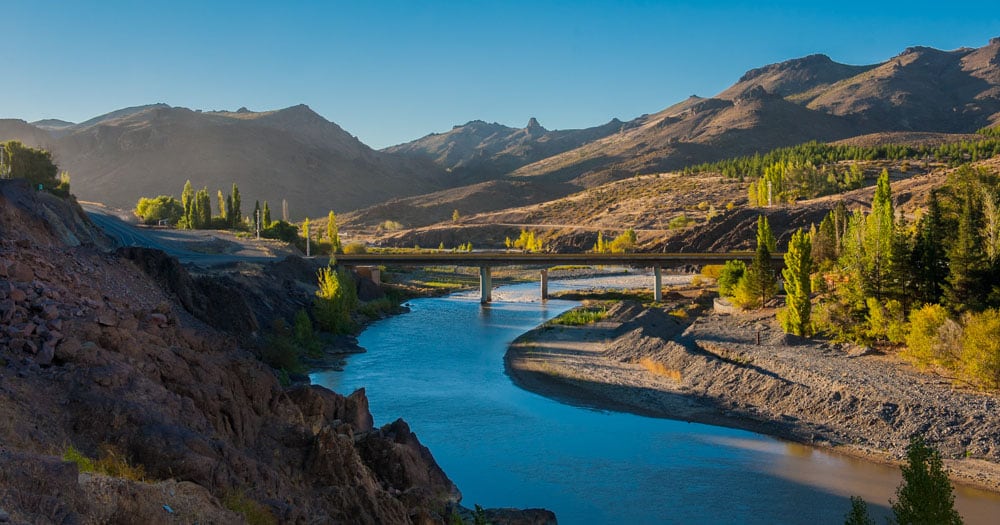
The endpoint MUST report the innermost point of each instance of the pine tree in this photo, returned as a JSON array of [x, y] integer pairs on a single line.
[[925, 496], [332, 233], [824, 241], [798, 266], [859, 513], [964, 290], [929, 258], [757, 285], [187, 201]]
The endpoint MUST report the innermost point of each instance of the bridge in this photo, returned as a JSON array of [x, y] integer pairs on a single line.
[[487, 260]]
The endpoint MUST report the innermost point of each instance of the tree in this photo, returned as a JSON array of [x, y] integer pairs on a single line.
[[332, 233], [757, 285], [925, 496], [187, 201], [798, 266], [454, 216], [266, 223], [151, 211], [202, 210], [32, 164], [859, 513], [731, 273], [625, 242], [256, 213], [964, 289], [225, 205], [878, 238], [929, 259], [335, 300], [235, 214]]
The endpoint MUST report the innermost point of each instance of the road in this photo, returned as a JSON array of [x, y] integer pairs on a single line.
[[178, 243]]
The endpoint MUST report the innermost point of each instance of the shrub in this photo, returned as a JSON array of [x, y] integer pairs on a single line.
[[355, 248], [886, 321], [151, 211], [280, 351], [712, 271], [281, 230], [679, 222], [981, 348], [253, 512], [335, 300], [660, 369], [580, 316], [730, 274], [112, 463], [923, 346]]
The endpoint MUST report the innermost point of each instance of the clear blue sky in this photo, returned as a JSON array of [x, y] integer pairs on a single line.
[[390, 72]]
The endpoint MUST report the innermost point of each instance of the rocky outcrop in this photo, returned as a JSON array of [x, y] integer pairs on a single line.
[[98, 355]]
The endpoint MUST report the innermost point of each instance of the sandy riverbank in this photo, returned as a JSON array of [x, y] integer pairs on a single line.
[[711, 370]]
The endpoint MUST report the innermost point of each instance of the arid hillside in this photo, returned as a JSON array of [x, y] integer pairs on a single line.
[[291, 154]]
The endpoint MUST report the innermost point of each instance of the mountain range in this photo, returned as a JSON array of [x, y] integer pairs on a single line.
[[297, 155]]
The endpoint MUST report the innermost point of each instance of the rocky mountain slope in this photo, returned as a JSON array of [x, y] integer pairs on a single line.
[[106, 353], [291, 154], [811, 98], [479, 150]]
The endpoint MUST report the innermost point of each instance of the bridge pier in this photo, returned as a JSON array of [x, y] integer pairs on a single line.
[[485, 285], [545, 283], [657, 283]]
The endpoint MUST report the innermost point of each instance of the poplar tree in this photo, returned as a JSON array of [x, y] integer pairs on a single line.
[[225, 205], [798, 266], [235, 203], [202, 210], [332, 233], [187, 201], [266, 223]]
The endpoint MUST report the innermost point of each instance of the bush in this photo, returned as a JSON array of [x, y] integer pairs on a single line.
[[712, 271], [353, 248], [151, 211], [886, 321], [730, 274], [335, 300], [981, 348], [280, 351], [923, 344], [112, 463], [281, 230], [253, 512], [580, 316], [679, 222]]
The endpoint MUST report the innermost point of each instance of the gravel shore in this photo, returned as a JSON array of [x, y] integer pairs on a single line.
[[711, 369]]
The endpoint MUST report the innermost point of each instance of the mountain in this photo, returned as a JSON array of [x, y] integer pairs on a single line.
[[291, 154], [921, 90], [482, 150]]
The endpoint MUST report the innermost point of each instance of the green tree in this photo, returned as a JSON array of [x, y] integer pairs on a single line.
[[151, 211], [731, 273], [32, 164], [455, 216], [798, 266], [925, 497], [859, 513], [878, 238], [187, 201], [757, 285], [981, 348], [266, 223], [224, 206], [964, 289], [202, 210], [235, 213], [929, 258], [333, 233], [625, 242], [335, 300]]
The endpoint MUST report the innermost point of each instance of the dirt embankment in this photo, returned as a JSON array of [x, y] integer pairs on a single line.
[[713, 370], [98, 355]]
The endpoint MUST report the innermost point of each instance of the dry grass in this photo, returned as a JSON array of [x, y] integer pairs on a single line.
[[660, 369]]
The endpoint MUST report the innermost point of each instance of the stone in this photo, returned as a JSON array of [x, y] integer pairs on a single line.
[[50, 312], [21, 272], [18, 295], [45, 355], [107, 319], [55, 325], [68, 350], [158, 319], [28, 329], [4, 516], [30, 346]]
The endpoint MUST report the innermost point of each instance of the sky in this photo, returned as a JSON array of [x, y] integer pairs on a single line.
[[391, 72]]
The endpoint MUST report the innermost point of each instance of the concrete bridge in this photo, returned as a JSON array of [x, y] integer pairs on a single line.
[[487, 260]]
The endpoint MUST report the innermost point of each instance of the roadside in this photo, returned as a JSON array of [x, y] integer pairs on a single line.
[[710, 369]]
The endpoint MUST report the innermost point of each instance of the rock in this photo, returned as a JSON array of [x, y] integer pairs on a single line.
[[158, 319], [21, 272], [28, 329], [67, 350], [107, 319], [55, 325], [50, 312], [48, 351], [18, 295], [30, 346], [4, 517]]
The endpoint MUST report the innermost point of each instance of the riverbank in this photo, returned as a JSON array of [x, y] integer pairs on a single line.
[[711, 369]]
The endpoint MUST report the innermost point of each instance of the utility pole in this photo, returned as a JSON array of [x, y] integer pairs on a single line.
[[258, 224], [769, 194], [308, 238]]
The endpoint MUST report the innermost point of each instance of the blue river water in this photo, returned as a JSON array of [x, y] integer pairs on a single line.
[[440, 367]]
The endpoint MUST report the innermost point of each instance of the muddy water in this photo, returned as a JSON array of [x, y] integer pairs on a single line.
[[440, 367]]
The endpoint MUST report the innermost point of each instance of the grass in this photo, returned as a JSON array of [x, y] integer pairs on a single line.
[[660, 369], [570, 267], [581, 316], [639, 294], [253, 512], [112, 463]]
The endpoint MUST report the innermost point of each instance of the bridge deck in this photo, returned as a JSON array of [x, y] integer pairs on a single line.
[[541, 259]]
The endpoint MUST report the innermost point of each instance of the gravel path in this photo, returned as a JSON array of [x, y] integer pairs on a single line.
[[712, 370]]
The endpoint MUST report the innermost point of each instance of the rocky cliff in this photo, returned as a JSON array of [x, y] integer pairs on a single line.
[[97, 355]]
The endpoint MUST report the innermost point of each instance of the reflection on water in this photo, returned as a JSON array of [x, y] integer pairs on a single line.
[[440, 367]]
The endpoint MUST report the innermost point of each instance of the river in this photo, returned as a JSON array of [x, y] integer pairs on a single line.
[[440, 367]]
